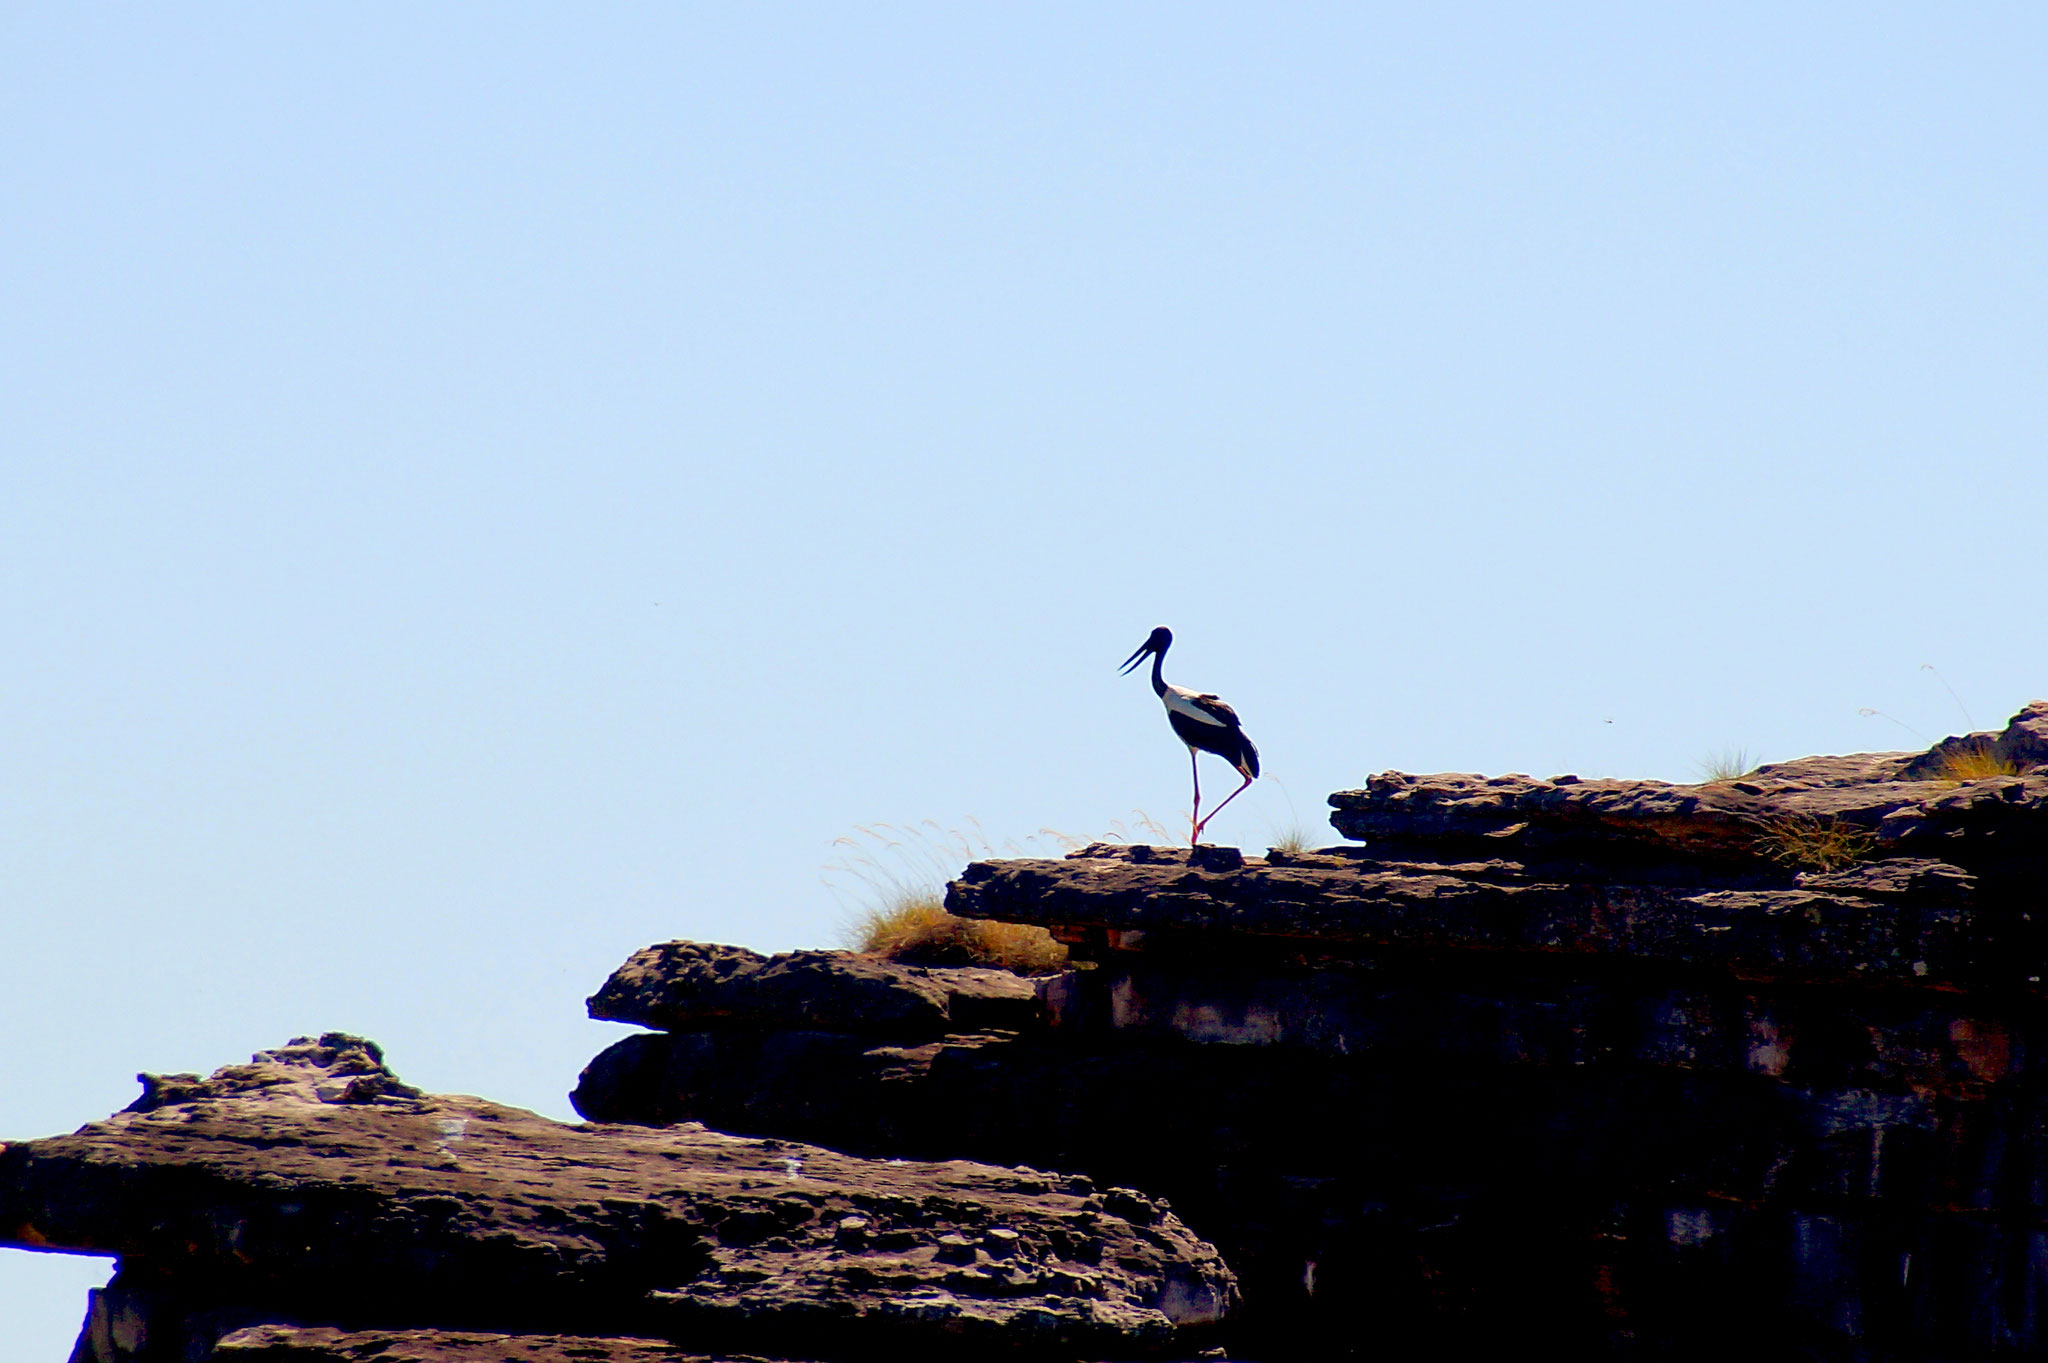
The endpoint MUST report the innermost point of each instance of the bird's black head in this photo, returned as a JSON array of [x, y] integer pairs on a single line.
[[1156, 642]]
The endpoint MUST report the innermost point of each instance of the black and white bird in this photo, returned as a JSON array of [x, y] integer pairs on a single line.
[[1202, 722]]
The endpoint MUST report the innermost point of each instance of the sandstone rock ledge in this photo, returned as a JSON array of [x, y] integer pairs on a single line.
[[1606, 1069], [1828, 869], [310, 1188], [324, 1344]]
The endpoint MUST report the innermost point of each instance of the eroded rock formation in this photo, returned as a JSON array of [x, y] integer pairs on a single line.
[[1628, 1068], [1620, 1069], [310, 1188]]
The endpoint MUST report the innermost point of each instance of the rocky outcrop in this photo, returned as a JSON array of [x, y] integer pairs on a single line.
[[694, 984], [310, 1188], [1605, 1068], [1627, 1069], [1845, 925], [2022, 745]]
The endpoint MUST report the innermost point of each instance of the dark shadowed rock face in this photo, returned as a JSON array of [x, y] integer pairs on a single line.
[[685, 984], [309, 1187], [1477, 1154]]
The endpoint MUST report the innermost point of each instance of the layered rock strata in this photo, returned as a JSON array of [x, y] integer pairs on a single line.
[[309, 1205], [324, 1344], [1627, 1068]]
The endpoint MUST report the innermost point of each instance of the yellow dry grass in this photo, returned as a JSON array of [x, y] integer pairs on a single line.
[[916, 928], [1812, 844], [893, 877], [1974, 764]]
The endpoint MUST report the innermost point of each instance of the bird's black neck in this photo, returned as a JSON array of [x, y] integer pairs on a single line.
[[1158, 677]]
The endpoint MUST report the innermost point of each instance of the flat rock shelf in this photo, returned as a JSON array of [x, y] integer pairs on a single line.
[[310, 1187]]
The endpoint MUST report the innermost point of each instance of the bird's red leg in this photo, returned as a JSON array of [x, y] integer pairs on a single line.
[[1226, 800], [1195, 819]]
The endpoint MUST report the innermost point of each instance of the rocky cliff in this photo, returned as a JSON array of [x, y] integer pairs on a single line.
[[1631, 1069]]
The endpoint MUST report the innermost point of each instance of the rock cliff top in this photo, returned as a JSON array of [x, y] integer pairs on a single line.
[[1850, 868]]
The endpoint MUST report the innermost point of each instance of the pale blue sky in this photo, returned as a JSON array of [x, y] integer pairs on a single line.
[[491, 487]]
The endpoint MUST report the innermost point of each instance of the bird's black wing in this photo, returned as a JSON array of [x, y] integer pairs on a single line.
[[1226, 740], [1247, 755], [1217, 708]]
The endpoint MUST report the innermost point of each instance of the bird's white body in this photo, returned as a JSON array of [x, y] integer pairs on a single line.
[[1178, 700]]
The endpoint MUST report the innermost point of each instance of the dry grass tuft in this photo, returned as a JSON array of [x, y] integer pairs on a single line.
[[1812, 844], [916, 928], [1973, 764], [895, 877], [1292, 842], [1730, 764]]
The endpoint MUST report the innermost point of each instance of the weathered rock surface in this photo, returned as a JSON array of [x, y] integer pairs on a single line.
[[1601, 1068], [310, 1188], [1897, 799], [1729, 818], [2025, 740], [1756, 920], [323, 1344], [686, 984], [1620, 1069], [2023, 744], [1826, 868]]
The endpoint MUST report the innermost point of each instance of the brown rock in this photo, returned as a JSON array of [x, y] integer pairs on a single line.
[[2025, 740], [291, 1189], [1716, 819], [323, 1344], [1577, 1066], [691, 984], [1760, 922], [2023, 743]]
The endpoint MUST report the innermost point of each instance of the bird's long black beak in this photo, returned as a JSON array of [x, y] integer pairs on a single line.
[[1144, 651]]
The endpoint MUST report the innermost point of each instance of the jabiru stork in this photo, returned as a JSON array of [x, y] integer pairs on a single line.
[[1202, 722]]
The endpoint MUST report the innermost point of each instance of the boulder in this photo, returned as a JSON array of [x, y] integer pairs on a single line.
[[2025, 740], [310, 1187], [691, 984]]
